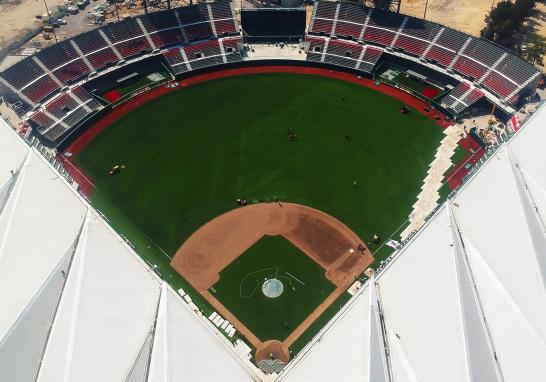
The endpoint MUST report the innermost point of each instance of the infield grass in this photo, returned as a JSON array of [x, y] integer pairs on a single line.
[[240, 287]]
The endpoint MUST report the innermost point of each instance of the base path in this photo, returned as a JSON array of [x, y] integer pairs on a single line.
[[326, 240]]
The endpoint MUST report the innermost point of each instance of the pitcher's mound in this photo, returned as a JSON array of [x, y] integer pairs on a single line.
[[272, 288]]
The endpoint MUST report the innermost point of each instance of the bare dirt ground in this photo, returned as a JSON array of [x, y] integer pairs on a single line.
[[19, 18], [218, 243], [466, 15]]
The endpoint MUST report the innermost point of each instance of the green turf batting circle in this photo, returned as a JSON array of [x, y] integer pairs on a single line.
[[272, 288]]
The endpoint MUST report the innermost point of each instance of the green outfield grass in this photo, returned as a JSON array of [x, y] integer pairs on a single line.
[[240, 287], [190, 154]]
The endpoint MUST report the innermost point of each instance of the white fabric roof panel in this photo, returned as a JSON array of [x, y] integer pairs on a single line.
[[349, 337], [420, 299], [13, 152], [527, 149], [106, 313], [503, 259], [40, 222], [184, 350], [22, 348]]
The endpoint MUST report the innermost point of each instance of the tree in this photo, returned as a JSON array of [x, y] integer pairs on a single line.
[[506, 20], [535, 50]]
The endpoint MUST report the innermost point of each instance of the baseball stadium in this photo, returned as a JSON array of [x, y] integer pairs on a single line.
[[276, 191]]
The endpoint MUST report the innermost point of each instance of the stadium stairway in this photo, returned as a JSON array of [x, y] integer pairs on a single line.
[[427, 200]]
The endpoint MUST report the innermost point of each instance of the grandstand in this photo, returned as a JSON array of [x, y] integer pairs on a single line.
[[69, 61], [189, 38], [503, 77], [340, 34]]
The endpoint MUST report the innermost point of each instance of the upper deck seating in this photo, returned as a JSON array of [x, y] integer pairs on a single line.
[[452, 39], [163, 29], [352, 13], [57, 55], [421, 29], [326, 10], [89, 42], [411, 45], [348, 30], [22, 73]]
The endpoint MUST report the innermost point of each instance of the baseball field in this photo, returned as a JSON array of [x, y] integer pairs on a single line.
[[334, 146]]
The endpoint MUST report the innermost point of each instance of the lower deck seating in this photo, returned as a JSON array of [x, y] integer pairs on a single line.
[[343, 53], [316, 47], [499, 84], [203, 54], [61, 105], [83, 95], [202, 50], [40, 122], [175, 60], [370, 58], [102, 58], [40, 89], [66, 111], [231, 48], [461, 97]]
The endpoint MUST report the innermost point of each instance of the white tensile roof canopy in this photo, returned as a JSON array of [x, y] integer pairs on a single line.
[[465, 300]]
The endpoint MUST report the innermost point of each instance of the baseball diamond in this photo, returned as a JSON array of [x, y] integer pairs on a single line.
[[255, 240], [306, 173]]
